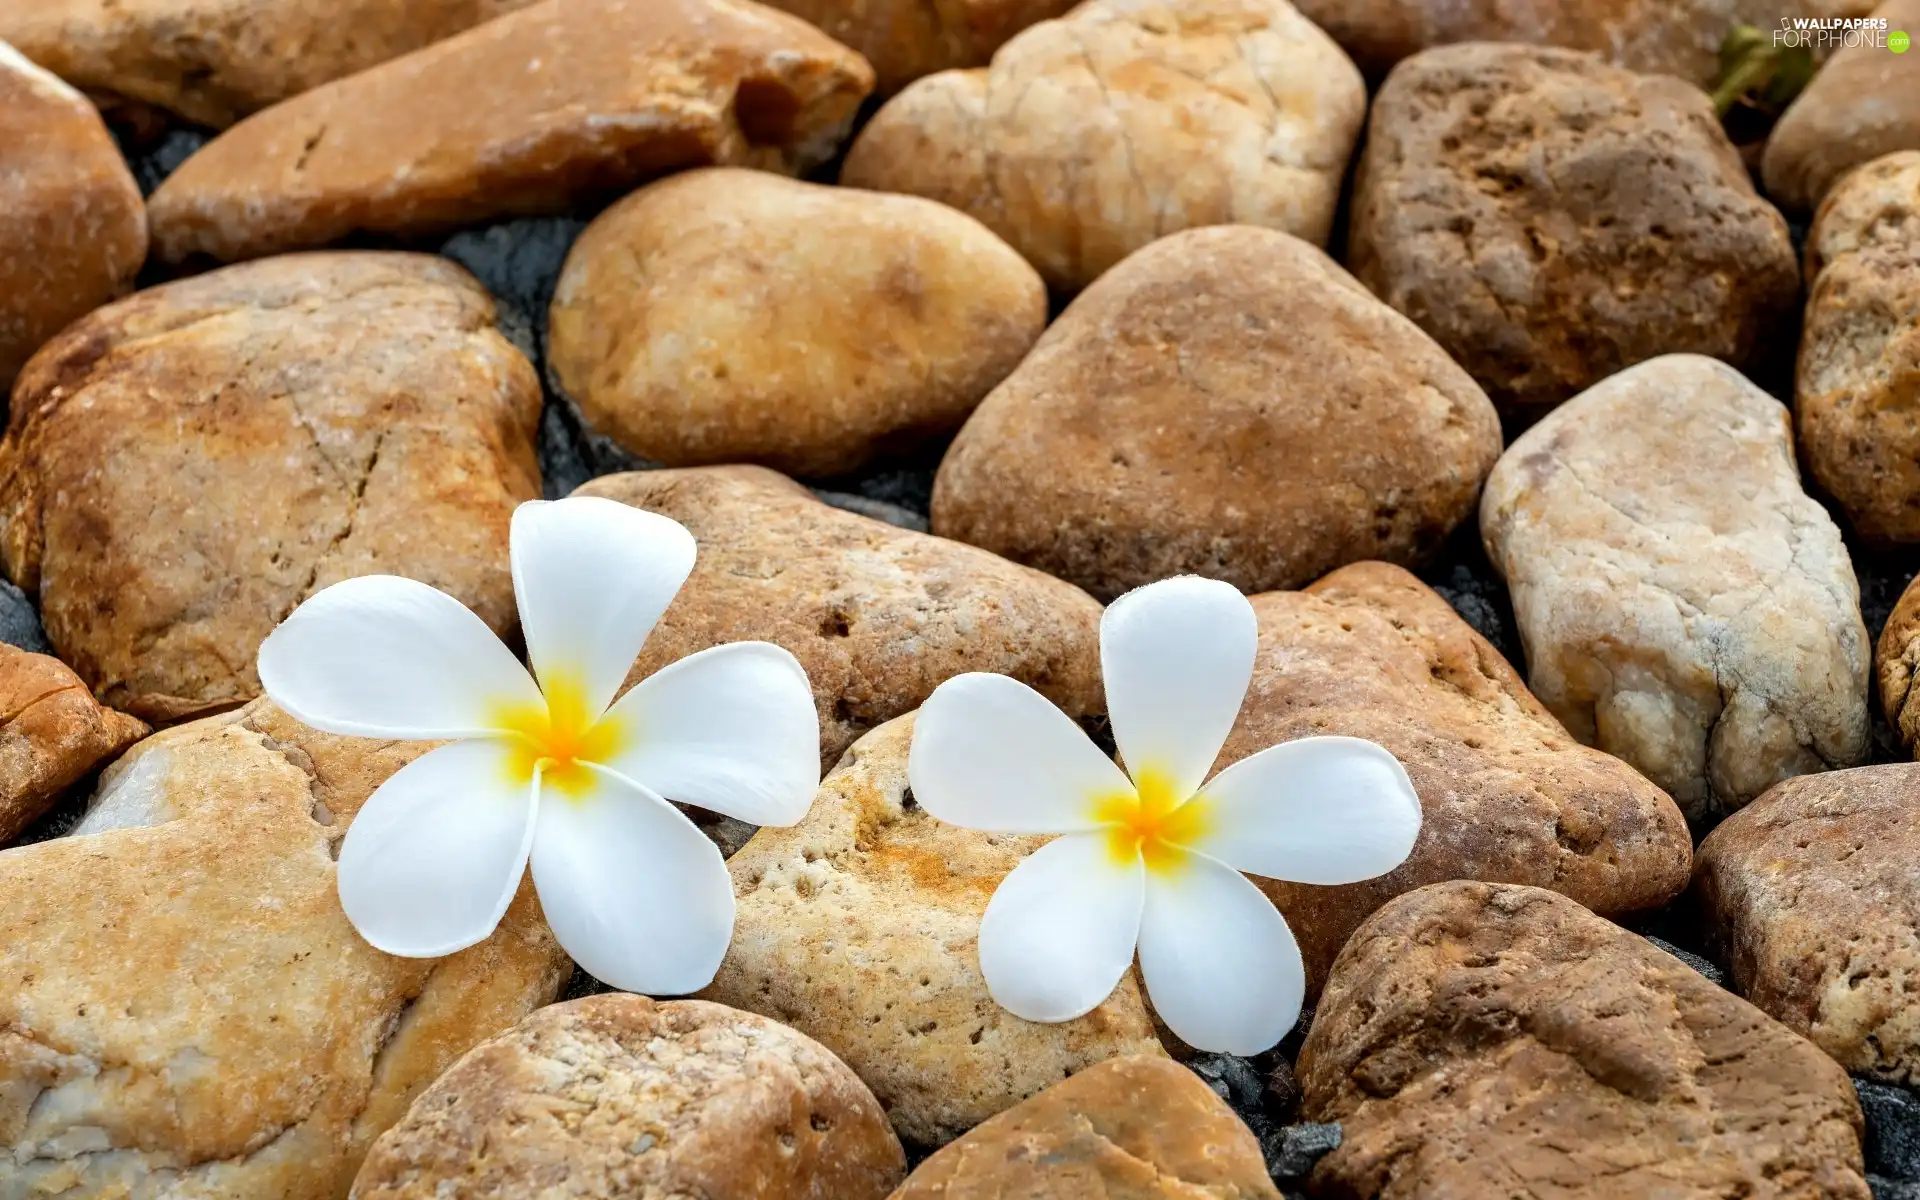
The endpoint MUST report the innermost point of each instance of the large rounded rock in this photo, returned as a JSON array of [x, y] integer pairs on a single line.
[[1125, 121], [1864, 103], [878, 616], [549, 107], [905, 39], [1684, 604], [1876, 207], [619, 1096], [1812, 893], [184, 467], [1550, 220], [858, 927], [194, 1016], [52, 733], [735, 316], [72, 231], [1228, 402], [1474, 1035], [1507, 795], [1129, 1129]]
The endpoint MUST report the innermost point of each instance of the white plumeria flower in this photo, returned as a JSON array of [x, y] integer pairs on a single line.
[[547, 766], [1149, 859]]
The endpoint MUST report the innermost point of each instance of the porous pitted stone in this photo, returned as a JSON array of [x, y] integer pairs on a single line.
[[1684, 604], [729, 315], [617, 1096], [1865, 102], [1550, 220], [1508, 796], [857, 927], [52, 732], [184, 1009], [1484, 1040], [1874, 207], [878, 616], [1125, 121], [905, 39], [541, 110], [185, 466], [1229, 402]]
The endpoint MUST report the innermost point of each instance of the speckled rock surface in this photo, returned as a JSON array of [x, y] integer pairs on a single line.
[[1369, 651], [195, 1017], [905, 39], [878, 616], [556, 104], [857, 927], [52, 732], [1684, 604], [215, 61], [1125, 121], [184, 467], [1129, 1129], [619, 1096], [1478, 1040], [1859, 373], [1550, 219], [730, 315], [1812, 893], [1896, 659], [72, 232], [1864, 103], [1227, 402]]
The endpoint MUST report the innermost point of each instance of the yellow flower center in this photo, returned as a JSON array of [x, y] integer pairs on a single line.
[[1150, 823], [558, 737]]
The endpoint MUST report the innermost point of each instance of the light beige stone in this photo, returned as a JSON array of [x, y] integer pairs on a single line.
[[1874, 207]]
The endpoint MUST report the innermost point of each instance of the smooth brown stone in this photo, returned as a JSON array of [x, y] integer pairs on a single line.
[[905, 39], [619, 1096], [1812, 894], [1127, 1129], [1864, 103], [185, 1009], [1507, 795], [215, 61], [72, 230], [52, 732], [556, 105], [1550, 220], [184, 467], [1479, 1040], [1229, 402]]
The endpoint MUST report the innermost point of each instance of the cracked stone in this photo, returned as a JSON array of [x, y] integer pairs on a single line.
[[52, 733], [1864, 103], [195, 1016], [678, 1098], [1685, 605], [185, 466], [1125, 121], [1480, 1040]]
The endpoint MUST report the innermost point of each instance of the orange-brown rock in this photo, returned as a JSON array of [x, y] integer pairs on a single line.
[[1129, 1129], [616, 1095], [1864, 103], [551, 106], [905, 39], [215, 61], [728, 315], [878, 616], [1508, 795], [1812, 894], [1874, 207], [185, 466], [858, 927], [52, 732], [1483, 1040], [1230, 402], [1550, 220], [187, 1012], [1124, 121], [1896, 661], [72, 230]]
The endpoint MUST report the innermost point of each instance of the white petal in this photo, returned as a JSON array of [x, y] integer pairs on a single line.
[[592, 576], [1059, 931], [991, 753], [635, 893], [1220, 964], [435, 855], [732, 729], [1318, 810], [1177, 656], [382, 656]]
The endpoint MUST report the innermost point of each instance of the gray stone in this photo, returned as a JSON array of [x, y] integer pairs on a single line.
[[19, 623]]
